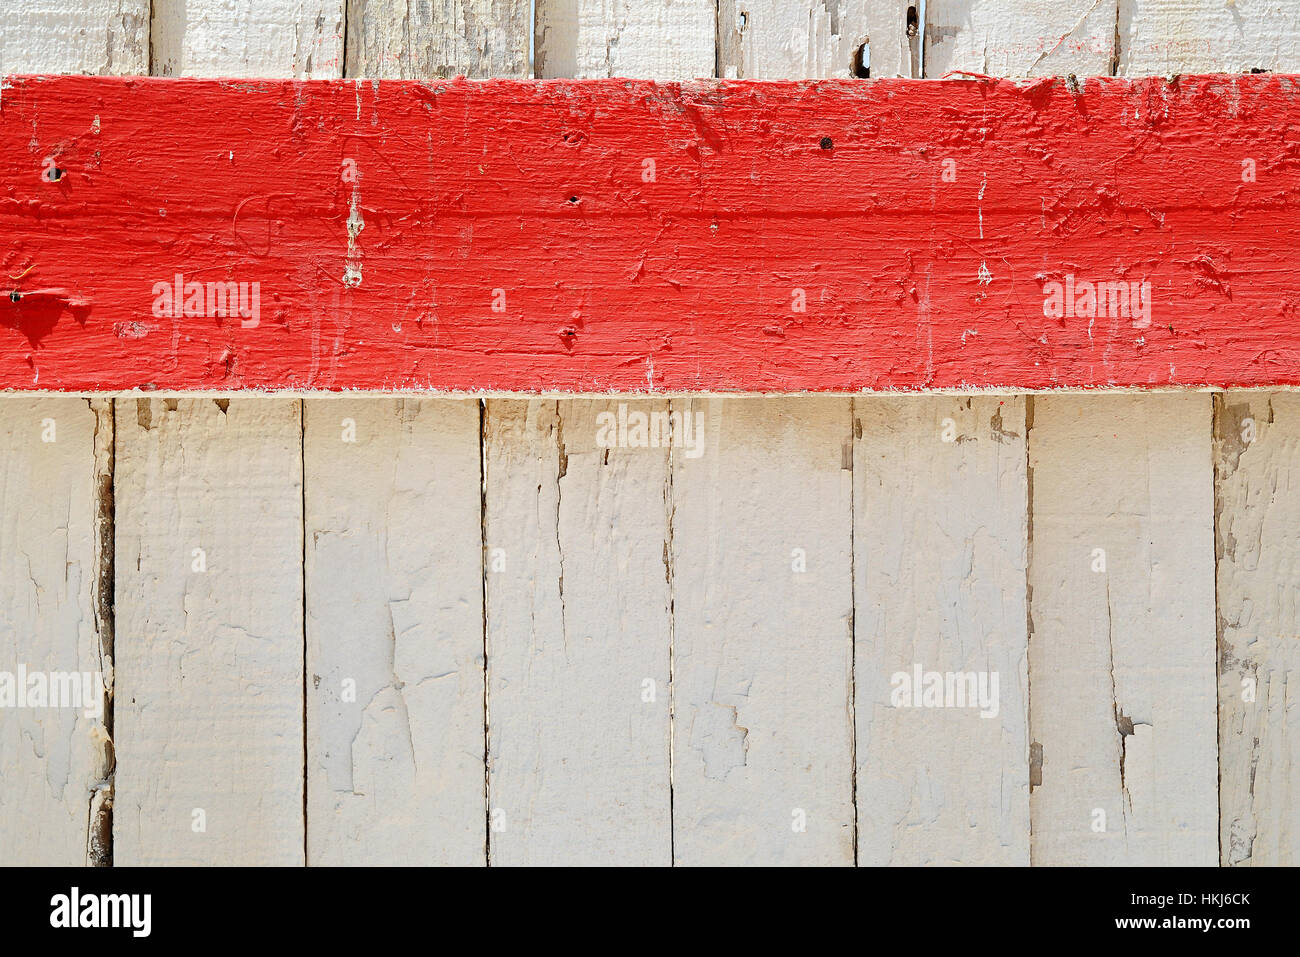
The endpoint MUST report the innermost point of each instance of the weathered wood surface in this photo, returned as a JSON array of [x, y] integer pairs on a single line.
[[302, 39], [55, 751], [75, 36], [578, 636], [208, 717], [420, 40], [1257, 481], [578, 265], [1121, 661], [939, 508], [394, 632], [211, 710], [762, 634], [1122, 675], [660, 39]]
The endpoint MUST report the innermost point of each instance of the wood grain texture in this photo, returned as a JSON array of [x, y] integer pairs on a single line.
[[269, 38], [75, 36], [1122, 700], [55, 750], [578, 637], [394, 632], [776, 40], [1026, 38], [209, 704], [940, 535], [561, 268], [762, 650], [1257, 456], [1167, 37], [419, 39], [655, 39]]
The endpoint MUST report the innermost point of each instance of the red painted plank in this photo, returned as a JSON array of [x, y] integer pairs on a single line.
[[537, 198]]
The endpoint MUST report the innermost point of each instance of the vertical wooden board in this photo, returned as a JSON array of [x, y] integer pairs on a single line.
[[1257, 456], [302, 39], [209, 703], [420, 39], [75, 36], [394, 632], [1027, 38], [56, 667], [578, 636], [940, 500], [894, 38], [1167, 37], [778, 40], [1122, 699], [396, 773], [56, 765], [649, 39], [762, 706]]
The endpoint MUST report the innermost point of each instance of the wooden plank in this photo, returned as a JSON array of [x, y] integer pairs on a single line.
[[395, 705], [1026, 38], [56, 520], [657, 39], [75, 36], [894, 38], [56, 666], [1118, 660], [940, 501], [603, 281], [209, 704], [763, 601], [413, 40], [1255, 807], [1167, 37], [1122, 700], [773, 40], [578, 634], [231, 472], [1257, 456], [394, 632], [577, 531], [281, 38]]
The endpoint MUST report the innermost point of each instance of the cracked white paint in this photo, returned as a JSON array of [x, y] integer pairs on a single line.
[[75, 36], [578, 622], [53, 762], [302, 39], [394, 620], [1026, 38], [209, 711], [1121, 668], [1257, 456], [355, 223], [761, 688], [421, 39], [663, 40], [1166, 37], [940, 562]]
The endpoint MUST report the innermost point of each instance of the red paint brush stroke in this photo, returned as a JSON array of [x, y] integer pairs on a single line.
[[682, 283]]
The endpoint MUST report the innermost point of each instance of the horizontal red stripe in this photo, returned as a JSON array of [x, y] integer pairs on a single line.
[[536, 197]]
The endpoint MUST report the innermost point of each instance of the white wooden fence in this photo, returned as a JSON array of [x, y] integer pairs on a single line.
[[452, 630]]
